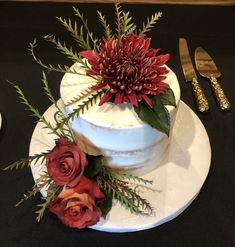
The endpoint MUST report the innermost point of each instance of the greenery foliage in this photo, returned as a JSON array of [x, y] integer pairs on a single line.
[[150, 23], [123, 191]]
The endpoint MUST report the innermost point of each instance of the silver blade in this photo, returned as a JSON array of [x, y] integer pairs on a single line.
[[186, 62], [205, 64]]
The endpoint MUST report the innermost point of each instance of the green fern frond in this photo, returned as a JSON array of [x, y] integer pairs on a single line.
[[107, 30], [90, 35], [64, 131], [51, 195], [69, 52], [49, 67], [119, 19], [130, 177], [44, 176], [46, 88], [127, 26], [84, 105], [150, 22], [123, 191], [59, 114], [79, 97], [78, 36], [26, 162], [35, 189], [123, 199], [35, 112]]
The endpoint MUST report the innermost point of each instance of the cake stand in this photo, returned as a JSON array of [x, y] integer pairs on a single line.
[[176, 181]]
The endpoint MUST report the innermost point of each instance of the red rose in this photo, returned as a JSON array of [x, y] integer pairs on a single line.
[[66, 163], [77, 207]]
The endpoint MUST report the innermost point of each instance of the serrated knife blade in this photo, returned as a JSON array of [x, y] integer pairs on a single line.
[[207, 68], [190, 76]]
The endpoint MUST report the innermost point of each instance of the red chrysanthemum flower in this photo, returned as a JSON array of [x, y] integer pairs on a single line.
[[129, 69]]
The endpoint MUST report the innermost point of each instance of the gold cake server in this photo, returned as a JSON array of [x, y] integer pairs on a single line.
[[207, 68], [190, 76]]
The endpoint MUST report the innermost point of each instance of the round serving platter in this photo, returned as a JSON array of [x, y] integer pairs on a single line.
[[176, 182]]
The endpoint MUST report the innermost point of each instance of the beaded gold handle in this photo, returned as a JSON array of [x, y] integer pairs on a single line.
[[202, 102], [220, 95]]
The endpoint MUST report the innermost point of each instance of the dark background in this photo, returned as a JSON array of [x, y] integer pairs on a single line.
[[210, 220]]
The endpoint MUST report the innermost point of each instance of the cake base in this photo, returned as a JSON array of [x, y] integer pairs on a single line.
[[176, 182]]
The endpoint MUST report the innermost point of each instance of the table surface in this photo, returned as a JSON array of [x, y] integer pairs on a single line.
[[209, 221]]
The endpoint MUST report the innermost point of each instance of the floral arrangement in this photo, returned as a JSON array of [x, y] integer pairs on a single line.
[[80, 188]]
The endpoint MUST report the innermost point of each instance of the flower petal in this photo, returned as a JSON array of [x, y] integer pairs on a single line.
[[106, 97]]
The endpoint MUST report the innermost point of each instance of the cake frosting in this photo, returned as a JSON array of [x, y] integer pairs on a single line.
[[129, 144]]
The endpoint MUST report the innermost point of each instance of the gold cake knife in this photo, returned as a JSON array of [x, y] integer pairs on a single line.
[[207, 68], [190, 76]]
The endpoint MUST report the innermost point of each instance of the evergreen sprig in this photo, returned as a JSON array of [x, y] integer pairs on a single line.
[[81, 96], [59, 114], [124, 192], [127, 26], [51, 195], [69, 52], [45, 181], [107, 30], [35, 112], [78, 36], [150, 22], [129, 177], [84, 105], [119, 18], [50, 67], [26, 162], [90, 35], [46, 88]]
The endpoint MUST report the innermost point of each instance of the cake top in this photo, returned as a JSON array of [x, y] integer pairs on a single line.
[[108, 114]]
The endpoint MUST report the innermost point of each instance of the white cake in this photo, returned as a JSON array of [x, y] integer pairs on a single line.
[[129, 144]]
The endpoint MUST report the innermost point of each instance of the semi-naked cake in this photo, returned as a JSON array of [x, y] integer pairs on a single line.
[[116, 131]]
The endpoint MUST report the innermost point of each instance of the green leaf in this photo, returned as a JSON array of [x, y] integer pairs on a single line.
[[107, 30], [106, 205], [150, 22], [157, 117], [119, 18], [127, 26], [94, 166], [168, 98]]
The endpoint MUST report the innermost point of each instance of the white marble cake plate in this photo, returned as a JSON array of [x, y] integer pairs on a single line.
[[176, 182]]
